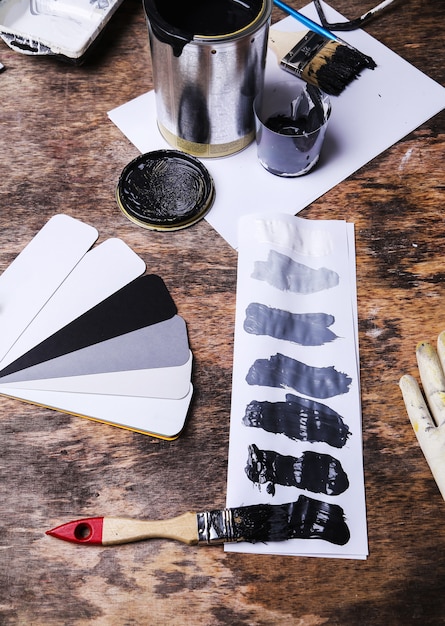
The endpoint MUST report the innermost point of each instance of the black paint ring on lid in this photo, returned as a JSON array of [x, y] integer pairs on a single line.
[[165, 190]]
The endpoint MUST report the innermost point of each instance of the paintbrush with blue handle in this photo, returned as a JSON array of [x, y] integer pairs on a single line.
[[317, 56]]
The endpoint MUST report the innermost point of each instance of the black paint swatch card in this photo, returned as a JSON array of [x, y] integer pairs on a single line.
[[144, 301]]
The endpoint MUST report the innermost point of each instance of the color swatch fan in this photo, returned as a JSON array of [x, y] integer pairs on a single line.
[[86, 333]]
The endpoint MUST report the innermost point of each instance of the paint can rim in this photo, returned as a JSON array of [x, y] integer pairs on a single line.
[[250, 28], [164, 29]]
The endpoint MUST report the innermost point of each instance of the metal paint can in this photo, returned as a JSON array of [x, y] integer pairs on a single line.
[[208, 60]]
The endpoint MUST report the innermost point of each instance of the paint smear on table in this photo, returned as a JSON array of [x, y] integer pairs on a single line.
[[295, 416]]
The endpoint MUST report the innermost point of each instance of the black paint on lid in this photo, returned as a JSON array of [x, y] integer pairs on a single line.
[[165, 190]]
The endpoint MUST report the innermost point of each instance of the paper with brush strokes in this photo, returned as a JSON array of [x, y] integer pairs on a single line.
[[295, 427]]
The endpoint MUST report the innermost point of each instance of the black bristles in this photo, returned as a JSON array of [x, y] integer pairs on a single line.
[[326, 63], [304, 519], [341, 69]]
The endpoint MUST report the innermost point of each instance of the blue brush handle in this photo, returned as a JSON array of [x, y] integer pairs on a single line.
[[316, 28]]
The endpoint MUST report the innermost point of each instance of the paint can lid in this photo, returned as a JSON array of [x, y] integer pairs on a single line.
[[165, 190]]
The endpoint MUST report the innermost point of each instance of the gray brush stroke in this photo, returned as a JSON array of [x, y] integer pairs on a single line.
[[285, 274], [305, 329]]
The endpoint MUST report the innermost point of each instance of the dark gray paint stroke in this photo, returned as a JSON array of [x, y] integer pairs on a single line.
[[284, 372], [305, 329]]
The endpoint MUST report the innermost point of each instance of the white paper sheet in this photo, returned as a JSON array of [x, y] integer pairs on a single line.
[[326, 246], [373, 113]]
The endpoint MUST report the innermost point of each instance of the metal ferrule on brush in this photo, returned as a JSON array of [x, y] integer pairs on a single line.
[[216, 527], [303, 53]]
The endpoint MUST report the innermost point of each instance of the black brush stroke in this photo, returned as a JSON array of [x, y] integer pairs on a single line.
[[306, 518], [312, 471], [300, 419]]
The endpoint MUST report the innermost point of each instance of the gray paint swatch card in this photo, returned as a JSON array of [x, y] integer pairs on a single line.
[[157, 346]]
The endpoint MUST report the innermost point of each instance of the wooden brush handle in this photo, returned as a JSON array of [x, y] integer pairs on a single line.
[[121, 530], [282, 42]]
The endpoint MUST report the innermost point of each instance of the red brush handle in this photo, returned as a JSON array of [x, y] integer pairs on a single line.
[[88, 530]]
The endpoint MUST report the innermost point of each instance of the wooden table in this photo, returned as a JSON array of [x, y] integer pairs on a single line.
[[60, 154]]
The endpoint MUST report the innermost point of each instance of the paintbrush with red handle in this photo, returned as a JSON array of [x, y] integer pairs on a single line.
[[304, 519]]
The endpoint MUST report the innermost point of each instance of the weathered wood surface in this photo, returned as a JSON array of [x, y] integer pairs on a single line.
[[60, 153]]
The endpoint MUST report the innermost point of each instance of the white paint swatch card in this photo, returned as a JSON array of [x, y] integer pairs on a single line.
[[160, 417], [295, 429], [65, 28], [36, 273], [101, 272], [160, 382]]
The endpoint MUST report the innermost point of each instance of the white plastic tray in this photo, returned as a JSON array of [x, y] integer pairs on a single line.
[[64, 28]]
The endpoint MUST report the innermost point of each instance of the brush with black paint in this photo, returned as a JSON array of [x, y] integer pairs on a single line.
[[318, 56], [304, 519]]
